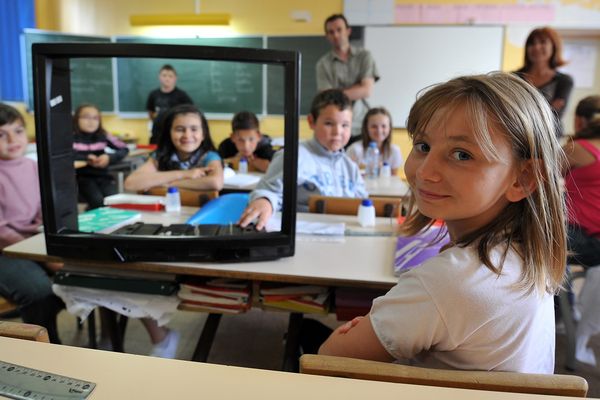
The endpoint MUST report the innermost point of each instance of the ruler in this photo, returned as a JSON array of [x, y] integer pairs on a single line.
[[18, 382]]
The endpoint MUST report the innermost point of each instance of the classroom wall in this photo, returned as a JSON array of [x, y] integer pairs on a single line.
[[248, 17]]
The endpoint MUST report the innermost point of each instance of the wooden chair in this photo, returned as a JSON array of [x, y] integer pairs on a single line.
[[384, 206], [6, 306], [559, 385], [192, 198], [19, 330]]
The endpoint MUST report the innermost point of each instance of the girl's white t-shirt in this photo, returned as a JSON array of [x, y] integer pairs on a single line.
[[453, 312]]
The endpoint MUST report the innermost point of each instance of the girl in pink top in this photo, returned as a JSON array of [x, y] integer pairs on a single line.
[[583, 184]]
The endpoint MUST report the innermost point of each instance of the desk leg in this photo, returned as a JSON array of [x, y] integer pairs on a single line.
[[91, 323], [207, 337], [292, 343]]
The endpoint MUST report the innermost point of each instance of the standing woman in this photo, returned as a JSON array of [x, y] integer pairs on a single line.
[[543, 54]]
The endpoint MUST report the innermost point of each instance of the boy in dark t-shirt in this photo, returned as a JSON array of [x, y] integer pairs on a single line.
[[246, 141], [163, 98]]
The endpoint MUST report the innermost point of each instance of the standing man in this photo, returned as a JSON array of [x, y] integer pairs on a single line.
[[166, 96], [348, 68]]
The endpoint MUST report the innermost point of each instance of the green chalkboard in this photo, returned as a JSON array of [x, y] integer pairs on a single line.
[[214, 86], [91, 78], [311, 48]]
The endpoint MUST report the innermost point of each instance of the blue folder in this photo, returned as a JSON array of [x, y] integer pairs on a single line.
[[223, 210]]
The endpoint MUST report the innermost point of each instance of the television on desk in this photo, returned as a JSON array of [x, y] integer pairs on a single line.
[[58, 79]]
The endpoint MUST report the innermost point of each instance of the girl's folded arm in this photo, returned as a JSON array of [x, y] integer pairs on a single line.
[[358, 341]]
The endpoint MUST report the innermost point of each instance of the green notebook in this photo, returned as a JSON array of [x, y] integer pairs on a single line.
[[106, 219]]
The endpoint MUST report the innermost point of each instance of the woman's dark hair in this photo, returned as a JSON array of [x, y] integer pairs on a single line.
[[9, 114], [165, 144], [100, 131], [589, 109], [366, 139], [545, 32]]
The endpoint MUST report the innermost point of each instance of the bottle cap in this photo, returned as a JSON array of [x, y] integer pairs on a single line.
[[244, 159], [385, 164], [372, 144], [366, 203], [172, 189]]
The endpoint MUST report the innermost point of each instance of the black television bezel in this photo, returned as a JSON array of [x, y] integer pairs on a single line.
[[51, 79]]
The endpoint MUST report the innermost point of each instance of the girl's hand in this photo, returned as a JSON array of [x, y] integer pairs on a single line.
[[101, 161], [196, 173], [349, 325]]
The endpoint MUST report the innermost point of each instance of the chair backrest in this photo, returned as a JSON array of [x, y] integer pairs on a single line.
[[559, 385], [189, 197], [6, 306], [19, 330], [384, 206]]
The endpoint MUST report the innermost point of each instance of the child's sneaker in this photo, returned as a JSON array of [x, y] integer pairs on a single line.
[[168, 347]]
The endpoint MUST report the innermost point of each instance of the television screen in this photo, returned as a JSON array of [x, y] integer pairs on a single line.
[[221, 81]]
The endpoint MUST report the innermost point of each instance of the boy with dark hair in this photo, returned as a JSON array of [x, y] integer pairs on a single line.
[[323, 166], [166, 96], [246, 141]]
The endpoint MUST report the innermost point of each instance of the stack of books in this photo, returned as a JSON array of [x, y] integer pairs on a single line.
[[304, 299], [106, 219], [225, 296]]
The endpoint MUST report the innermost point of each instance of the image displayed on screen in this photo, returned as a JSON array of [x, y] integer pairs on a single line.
[[167, 149]]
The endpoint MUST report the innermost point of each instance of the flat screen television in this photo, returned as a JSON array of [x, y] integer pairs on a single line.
[[56, 73]]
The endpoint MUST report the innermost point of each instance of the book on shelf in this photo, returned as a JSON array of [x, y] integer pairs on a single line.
[[306, 304], [106, 219], [216, 290], [185, 306], [185, 294]]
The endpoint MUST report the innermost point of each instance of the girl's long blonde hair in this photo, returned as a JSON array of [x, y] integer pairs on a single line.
[[534, 227]]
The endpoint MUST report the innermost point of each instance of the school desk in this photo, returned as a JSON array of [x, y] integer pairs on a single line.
[[129, 376], [363, 259], [392, 186]]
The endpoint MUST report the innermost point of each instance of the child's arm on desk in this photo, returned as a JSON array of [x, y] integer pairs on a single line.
[[355, 339], [148, 176]]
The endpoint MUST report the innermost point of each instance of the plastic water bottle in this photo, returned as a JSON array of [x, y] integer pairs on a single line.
[[172, 201], [366, 213], [372, 161], [386, 171], [243, 166]]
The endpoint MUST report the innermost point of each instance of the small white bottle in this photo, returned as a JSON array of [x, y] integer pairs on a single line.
[[366, 213], [386, 171], [172, 200], [243, 166]]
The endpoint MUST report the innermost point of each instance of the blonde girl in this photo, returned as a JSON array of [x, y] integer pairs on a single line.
[[485, 160]]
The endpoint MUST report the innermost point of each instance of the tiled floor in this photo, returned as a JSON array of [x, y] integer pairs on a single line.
[[256, 339]]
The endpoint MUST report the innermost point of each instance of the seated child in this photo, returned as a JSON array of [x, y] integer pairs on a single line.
[[582, 183], [484, 161], [246, 141], [323, 166], [90, 143], [23, 282], [185, 157], [377, 127]]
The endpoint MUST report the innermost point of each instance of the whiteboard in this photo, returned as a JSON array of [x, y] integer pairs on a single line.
[[410, 58]]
